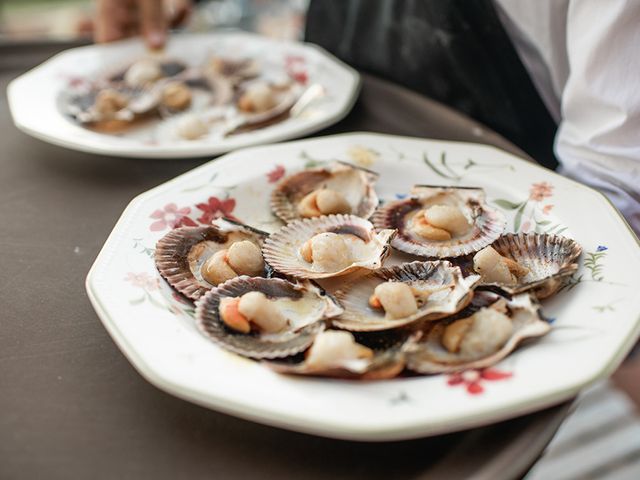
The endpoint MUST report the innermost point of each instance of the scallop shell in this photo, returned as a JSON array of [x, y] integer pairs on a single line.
[[169, 67], [387, 362], [282, 249], [549, 258], [488, 223], [81, 107], [181, 253], [355, 183], [285, 100], [430, 276], [427, 355], [307, 319]]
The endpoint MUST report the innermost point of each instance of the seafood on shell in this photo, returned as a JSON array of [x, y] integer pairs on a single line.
[[195, 259], [343, 354], [522, 262], [301, 310], [441, 222], [478, 337], [336, 188], [431, 290], [327, 246]]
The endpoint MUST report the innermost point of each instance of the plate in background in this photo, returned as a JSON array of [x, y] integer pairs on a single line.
[[34, 97]]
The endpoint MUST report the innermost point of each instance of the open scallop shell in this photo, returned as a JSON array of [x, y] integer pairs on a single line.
[[81, 105], [488, 223], [305, 304], [387, 361], [181, 253], [427, 354], [452, 293], [285, 99], [549, 258], [282, 249], [355, 183]]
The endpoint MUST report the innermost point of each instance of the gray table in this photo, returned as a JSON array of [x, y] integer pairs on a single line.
[[71, 406]]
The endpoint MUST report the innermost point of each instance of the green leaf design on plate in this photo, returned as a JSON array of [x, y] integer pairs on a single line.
[[506, 204], [518, 219]]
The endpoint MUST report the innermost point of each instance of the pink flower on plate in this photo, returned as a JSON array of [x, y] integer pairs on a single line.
[[472, 379], [142, 280], [547, 209], [216, 208], [276, 174], [295, 66], [540, 191], [172, 217]]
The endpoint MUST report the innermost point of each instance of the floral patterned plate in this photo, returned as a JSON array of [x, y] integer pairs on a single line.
[[595, 318], [36, 106]]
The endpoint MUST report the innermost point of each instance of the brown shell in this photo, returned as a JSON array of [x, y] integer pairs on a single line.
[[179, 249], [359, 316], [488, 223], [549, 258], [257, 345], [427, 355], [356, 183], [281, 248], [388, 360]]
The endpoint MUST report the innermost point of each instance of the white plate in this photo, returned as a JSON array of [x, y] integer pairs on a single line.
[[596, 320], [34, 96]]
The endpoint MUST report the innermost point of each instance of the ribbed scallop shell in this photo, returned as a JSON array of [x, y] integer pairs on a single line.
[[549, 258], [387, 362], [282, 248], [428, 355], [285, 100], [295, 339], [359, 316], [80, 106], [179, 263], [488, 223], [355, 183]]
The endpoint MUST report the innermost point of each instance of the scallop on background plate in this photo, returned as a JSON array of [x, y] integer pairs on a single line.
[[36, 105], [595, 319]]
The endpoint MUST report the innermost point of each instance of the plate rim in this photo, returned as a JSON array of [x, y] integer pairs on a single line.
[[336, 429]]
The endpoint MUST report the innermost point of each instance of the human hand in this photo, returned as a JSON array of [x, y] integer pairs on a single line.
[[117, 19]]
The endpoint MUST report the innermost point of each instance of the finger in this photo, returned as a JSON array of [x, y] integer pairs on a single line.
[[180, 12], [153, 23], [113, 19]]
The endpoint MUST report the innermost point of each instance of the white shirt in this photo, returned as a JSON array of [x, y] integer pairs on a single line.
[[584, 58]]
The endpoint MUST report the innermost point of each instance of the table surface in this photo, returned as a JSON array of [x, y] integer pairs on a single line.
[[73, 407]]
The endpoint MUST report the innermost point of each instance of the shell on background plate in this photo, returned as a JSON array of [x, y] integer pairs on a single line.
[[233, 70], [487, 223], [363, 247], [181, 253], [549, 259], [383, 359], [304, 305], [448, 293], [284, 99], [356, 184], [427, 354], [137, 103]]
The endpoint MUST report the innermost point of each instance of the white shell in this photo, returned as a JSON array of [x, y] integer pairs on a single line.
[[427, 354], [354, 183], [359, 316], [282, 248]]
